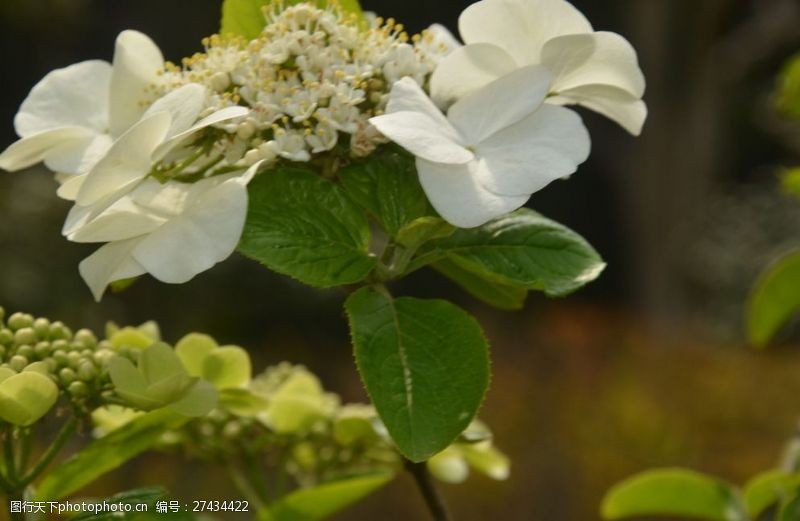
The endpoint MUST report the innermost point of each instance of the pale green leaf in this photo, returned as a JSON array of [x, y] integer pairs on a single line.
[[775, 299], [322, 501], [501, 296], [672, 492], [192, 350], [769, 488], [108, 453], [227, 367]]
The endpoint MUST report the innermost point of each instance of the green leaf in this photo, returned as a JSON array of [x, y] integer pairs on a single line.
[[142, 496], [501, 296], [387, 186], [322, 501], [304, 226], [422, 230], [26, 397], [245, 17], [790, 182], [774, 300], [769, 488], [108, 453], [672, 492], [424, 363], [522, 249], [790, 509]]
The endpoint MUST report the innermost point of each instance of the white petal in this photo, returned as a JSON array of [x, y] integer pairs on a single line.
[[128, 161], [32, 149], [217, 117], [70, 187], [183, 105], [601, 58], [408, 96], [73, 96], [467, 69], [617, 105], [205, 234], [413, 122], [122, 220], [457, 194], [110, 263], [80, 157], [521, 27], [500, 104], [524, 158], [421, 136], [137, 61]]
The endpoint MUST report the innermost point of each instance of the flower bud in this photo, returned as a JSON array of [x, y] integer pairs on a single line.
[[6, 337], [27, 351], [58, 331], [42, 327], [74, 359], [60, 357], [19, 321], [18, 363], [102, 356], [42, 349], [2, 313], [86, 337], [78, 389], [86, 371], [25, 335], [67, 376]]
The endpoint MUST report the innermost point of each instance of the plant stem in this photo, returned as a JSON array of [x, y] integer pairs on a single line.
[[16, 495], [52, 451], [244, 486], [8, 453], [430, 493]]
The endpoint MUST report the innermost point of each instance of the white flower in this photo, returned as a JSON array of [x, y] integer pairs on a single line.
[[495, 148], [598, 70], [162, 128], [173, 231], [73, 115]]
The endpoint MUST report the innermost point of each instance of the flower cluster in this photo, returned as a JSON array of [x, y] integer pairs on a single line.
[[157, 157]]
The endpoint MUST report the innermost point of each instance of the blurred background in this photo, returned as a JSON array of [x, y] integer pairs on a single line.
[[646, 367]]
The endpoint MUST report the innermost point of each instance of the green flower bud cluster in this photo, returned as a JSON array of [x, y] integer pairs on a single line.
[[73, 361]]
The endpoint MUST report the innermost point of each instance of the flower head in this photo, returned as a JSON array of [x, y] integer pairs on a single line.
[[72, 116], [596, 69], [494, 149]]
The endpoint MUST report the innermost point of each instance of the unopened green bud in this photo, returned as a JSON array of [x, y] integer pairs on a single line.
[[2, 313], [2, 351], [60, 345], [6, 337], [42, 327], [78, 389], [18, 363], [58, 331], [73, 359], [105, 344], [86, 371], [42, 349], [60, 356], [19, 321], [87, 353], [102, 356], [86, 337], [52, 365], [27, 351], [232, 429], [67, 376], [26, 335]]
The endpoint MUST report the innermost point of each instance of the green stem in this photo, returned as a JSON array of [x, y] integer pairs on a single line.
[[256, 476], [16, 496], [52, 451], [25, 449], [8, 452], [244, 486], [430, 493]]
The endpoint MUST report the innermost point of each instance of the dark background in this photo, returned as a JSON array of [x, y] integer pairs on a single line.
[[645, 367]]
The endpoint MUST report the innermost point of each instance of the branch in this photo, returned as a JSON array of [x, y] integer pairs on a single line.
[[430, 493]]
